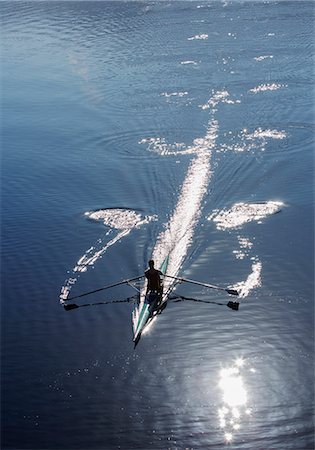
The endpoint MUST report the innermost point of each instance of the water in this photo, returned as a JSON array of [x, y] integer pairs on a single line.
[[132, 128]]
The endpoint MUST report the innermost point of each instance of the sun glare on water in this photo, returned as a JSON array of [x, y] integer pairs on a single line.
[[234, 397]]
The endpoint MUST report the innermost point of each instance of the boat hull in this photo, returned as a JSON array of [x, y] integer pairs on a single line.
[[151, 304]]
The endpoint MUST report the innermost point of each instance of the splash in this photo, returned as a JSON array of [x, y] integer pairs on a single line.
[[243, 213], [121, 221], [253, 281]]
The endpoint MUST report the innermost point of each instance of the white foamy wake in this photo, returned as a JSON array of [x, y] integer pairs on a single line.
[[177, 236], [121, 220]]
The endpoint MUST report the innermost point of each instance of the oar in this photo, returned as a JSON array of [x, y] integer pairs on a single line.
[[105, 287], [69, 307], [211, 286], [232, 305]]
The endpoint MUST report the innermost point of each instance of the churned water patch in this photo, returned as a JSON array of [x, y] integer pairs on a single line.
[[243, 213], [118, 218]]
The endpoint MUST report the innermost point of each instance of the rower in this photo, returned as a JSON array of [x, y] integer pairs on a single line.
[[154, 278]]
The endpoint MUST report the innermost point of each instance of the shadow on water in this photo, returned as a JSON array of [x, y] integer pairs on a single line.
[[134, 299]]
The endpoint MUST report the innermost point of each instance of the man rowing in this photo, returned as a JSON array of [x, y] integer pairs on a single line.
[[154, 279]]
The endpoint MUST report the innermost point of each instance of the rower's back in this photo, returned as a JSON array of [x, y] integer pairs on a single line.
[[153, 277]]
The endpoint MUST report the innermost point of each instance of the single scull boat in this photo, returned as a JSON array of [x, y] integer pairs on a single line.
[[150, 304]]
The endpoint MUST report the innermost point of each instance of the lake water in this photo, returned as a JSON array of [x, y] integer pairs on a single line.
[[132, 129]]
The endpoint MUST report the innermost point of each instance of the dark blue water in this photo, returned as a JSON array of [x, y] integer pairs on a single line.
[[188, 127]]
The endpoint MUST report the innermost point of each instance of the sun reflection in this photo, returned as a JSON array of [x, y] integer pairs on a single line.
[[231, 383], [235, 398]]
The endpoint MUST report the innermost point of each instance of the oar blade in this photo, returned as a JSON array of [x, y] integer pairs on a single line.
[[71, 306], [233, 305]]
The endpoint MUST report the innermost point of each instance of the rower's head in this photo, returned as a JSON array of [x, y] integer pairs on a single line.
[[151, 264]]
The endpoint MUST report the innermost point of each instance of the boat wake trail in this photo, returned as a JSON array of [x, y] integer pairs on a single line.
[[177, 236], [173, 242]]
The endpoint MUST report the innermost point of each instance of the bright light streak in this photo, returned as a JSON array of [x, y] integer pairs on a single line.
[[235, 398]]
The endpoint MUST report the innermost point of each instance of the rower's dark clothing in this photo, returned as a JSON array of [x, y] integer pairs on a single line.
[[154, 280]]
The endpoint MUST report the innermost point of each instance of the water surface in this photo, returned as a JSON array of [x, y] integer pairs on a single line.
[[139, 128]]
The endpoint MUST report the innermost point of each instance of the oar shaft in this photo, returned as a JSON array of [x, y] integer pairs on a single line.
[[106, 287], [199, 283]]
